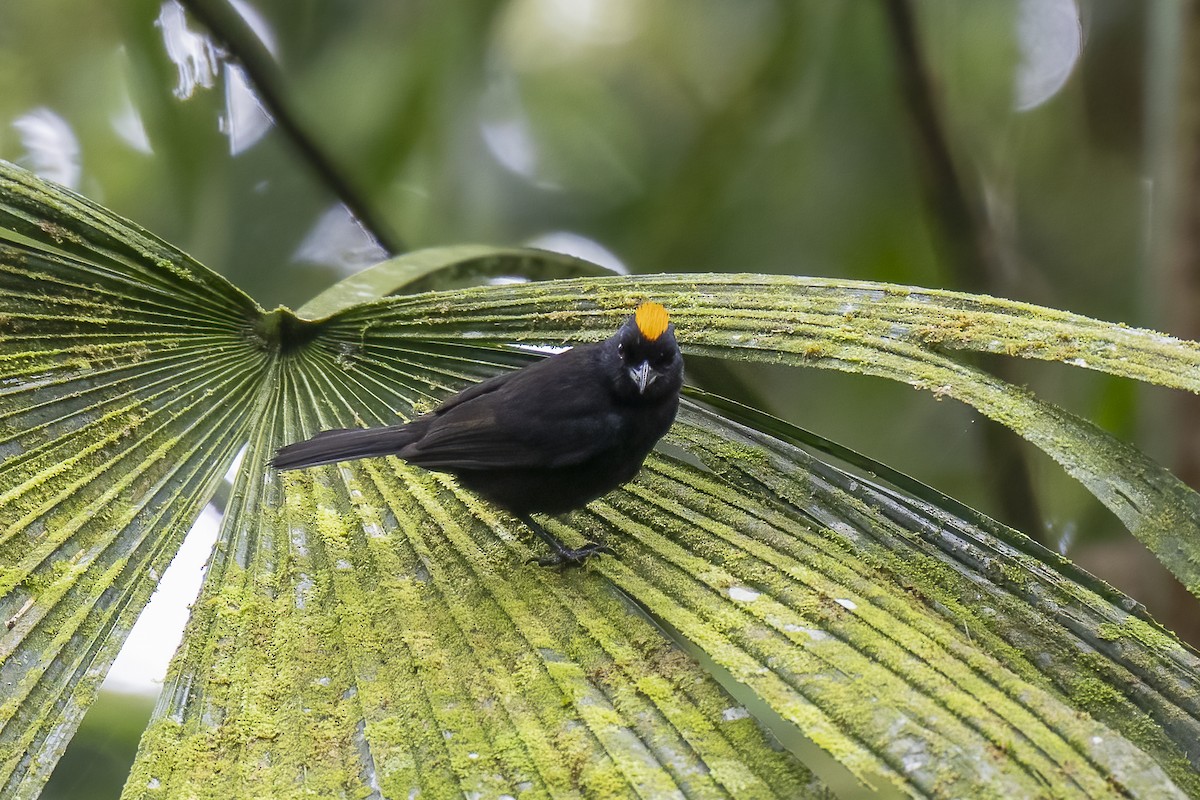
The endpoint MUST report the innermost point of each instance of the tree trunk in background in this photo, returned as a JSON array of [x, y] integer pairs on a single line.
[[969, 251], [1183, 282]]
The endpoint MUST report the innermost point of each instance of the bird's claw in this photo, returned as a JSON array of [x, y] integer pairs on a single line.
[[573, 557]]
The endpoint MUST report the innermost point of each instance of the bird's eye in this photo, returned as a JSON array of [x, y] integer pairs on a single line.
[[621, 350], [664, 361]]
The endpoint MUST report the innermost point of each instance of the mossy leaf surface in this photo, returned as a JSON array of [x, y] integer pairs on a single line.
[[370, 629], [129, 378], [901, 333]]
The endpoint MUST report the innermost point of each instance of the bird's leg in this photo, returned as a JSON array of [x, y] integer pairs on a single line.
[[563, 556]]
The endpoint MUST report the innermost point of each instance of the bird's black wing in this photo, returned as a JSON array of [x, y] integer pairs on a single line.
[[483, 387], [347, 444], [551, 414]]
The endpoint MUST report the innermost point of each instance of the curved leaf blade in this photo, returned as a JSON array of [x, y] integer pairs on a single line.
[[835, 325], [112, 349], [442, 268], [403, 613], [794, 585], [295, 672]]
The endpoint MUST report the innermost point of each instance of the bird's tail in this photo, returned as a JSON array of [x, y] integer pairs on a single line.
[[345, 444]]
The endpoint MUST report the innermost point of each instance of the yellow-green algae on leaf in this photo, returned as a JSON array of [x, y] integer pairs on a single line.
[[1138, 630], [1026, 618], [471, 672], [110, 447], [894, 332], [720, 627], [370, 629]]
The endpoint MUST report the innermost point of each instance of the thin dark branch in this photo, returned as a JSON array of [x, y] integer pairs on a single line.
[[964, 232], [1183, 281], [967, 243], [1184, 274], [242, 45]]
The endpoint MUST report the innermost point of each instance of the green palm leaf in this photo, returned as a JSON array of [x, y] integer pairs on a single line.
[[370, 629]]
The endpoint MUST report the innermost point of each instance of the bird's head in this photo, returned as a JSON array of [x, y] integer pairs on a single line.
[[648, 363]]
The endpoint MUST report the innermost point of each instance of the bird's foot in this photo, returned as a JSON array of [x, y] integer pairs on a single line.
[[567, 557]]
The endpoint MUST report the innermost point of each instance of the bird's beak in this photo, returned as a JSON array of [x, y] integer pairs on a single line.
[[642, 376]]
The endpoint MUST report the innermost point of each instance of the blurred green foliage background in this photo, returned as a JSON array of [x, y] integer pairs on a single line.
[[664, 135]]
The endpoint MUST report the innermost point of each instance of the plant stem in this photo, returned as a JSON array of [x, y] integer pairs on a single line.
[[1183, 275], [243, 45], [968, 246]]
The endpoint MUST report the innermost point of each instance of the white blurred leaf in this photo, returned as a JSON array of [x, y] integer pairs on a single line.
[[1050, 39]]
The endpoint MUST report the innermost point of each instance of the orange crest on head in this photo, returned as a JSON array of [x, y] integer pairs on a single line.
[[651, 319]]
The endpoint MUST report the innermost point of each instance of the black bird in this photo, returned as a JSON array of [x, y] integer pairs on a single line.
[[548, 438]]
